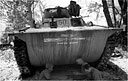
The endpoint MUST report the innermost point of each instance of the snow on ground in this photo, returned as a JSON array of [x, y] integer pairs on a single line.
[[122, 63], [2, 24], [2, 27], [8, 66]]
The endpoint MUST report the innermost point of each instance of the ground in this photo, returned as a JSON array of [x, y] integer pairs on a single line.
[[8, 66], [9, 69], [121, 62]]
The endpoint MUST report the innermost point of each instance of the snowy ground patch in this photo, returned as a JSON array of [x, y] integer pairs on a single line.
[[8, 66]]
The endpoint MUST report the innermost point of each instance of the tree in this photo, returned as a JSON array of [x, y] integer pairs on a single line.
[[23, 13], [106, 12], [20, 12]]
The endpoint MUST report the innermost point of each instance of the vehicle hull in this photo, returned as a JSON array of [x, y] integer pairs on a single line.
[[65, 46]]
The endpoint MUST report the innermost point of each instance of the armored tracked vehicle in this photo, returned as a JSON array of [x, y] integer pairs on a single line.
[[61, 40]]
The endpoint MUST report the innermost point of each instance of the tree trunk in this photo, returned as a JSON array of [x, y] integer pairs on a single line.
[[29, 14], [106, 12], [114, 13]]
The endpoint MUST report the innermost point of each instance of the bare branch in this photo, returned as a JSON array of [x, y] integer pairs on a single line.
[[23, 17], [34, 6], [42, 4], [6, 4], [32, 2]]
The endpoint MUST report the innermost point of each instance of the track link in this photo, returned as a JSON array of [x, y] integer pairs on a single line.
[[21, 55], [103, 64]]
